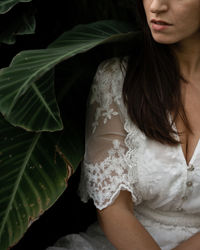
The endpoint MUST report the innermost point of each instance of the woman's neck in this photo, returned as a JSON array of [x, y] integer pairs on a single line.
[[188, 55]]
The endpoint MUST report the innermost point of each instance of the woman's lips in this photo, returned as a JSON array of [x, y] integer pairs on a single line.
[[159, 25]]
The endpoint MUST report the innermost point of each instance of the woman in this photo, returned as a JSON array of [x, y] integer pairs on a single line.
[[142, 158]]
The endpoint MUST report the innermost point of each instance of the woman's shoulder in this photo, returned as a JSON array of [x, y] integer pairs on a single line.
[[113, 66], [110, 75]]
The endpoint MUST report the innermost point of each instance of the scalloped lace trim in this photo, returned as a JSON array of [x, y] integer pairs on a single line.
[[104, 180]]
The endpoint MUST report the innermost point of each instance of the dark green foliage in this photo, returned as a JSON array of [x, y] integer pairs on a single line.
[[47, 70]]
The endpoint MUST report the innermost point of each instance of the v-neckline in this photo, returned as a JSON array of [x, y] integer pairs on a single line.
[[192, 159]]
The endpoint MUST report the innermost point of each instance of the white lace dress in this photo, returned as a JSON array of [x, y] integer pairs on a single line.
[[164, 188]]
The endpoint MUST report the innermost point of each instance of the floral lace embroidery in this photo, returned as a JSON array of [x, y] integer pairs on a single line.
[[104, 180], [102, 112], [119, 170], [105, 91]]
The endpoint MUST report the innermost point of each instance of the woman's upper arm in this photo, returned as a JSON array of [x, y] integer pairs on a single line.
[[106, 175], [105, 171]]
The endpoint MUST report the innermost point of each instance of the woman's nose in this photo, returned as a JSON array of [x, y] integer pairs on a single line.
[[158, 6]]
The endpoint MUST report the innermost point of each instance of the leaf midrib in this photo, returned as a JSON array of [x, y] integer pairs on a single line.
[[41, 70], [27, 158]]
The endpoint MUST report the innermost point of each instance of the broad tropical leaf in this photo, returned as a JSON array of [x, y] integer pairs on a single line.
[[22, 25], [34, 170], [35, 106], [18, 81], [6, 5]]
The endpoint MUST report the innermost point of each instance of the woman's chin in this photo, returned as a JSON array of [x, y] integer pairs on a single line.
[[163, 39]]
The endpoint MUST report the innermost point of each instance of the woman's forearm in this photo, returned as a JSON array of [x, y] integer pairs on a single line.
[[124, 231], [192, 243]]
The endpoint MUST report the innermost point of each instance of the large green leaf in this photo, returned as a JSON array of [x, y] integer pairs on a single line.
[[34, 170], [21, 25], [31, 106], [6, 5], [18, 81], [35, 106]]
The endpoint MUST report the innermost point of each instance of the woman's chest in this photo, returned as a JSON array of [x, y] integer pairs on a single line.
[[164, 178], [189, 139]]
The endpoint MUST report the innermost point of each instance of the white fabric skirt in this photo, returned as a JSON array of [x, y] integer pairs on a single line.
[[92, 239]]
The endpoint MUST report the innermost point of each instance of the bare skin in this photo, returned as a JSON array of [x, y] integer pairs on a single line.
[[188, 52], [184, 38], [118, 221], [122, 228], [183, 35], [125, 232]]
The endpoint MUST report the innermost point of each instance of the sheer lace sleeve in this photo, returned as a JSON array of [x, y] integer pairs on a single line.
[[105, 170]]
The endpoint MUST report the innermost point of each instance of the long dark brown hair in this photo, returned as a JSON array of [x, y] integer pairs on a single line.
[[152, 87]]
